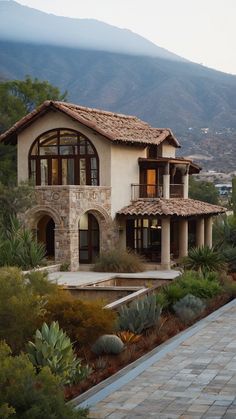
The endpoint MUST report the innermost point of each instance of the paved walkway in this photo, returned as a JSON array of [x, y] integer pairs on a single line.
[[193, 376], [85, 277]]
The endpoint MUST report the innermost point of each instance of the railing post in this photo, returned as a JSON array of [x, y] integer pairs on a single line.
[[166, 182]]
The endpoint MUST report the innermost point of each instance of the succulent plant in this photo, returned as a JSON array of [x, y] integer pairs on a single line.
[[53, 348], [108, 344], [189, 307], [128, 337], [140, 315]]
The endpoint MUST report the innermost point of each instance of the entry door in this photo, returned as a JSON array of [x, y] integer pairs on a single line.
[[151, 183], [88, 239]]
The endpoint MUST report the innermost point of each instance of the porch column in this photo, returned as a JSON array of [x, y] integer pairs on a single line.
[[208, 231], [185, 181], [200, 232], [66, 247], [183, 238], [166, 182], [165, 243]]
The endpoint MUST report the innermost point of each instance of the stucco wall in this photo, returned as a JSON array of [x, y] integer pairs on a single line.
[[166, 150], [124, 172], [53, 120]]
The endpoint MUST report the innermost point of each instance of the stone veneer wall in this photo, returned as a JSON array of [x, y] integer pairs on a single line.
[[66, 204]]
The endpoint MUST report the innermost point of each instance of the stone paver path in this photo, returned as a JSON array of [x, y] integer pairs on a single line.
[[197, 379]]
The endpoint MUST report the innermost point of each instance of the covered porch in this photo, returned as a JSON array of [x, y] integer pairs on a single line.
[[163, 230]]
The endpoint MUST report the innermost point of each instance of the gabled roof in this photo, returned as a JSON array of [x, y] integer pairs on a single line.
[[115, 127], [173, 206]]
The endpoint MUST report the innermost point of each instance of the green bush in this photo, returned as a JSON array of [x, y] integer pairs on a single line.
[[118, 260], [108, 344], [204, 259], [39, 284], [21, 309], [230, 258], [28, 394], [188, 308], [83, 321], [194, 283], [53, 348], [139, 315], [19, 248]]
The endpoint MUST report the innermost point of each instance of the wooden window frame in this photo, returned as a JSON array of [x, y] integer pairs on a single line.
[[76, 156]]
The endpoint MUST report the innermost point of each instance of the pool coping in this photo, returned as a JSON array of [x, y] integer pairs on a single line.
[[99, 392]]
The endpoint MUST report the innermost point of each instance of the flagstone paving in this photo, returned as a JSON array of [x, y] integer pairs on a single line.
[[197, 379]]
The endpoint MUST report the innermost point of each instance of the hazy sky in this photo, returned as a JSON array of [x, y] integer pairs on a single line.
[[203, 31]]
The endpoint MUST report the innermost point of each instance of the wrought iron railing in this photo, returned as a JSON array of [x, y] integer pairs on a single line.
[[139, 191]]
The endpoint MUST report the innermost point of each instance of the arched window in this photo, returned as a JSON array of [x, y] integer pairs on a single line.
[[63, 157]]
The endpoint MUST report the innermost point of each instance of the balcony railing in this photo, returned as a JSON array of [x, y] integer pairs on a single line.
[[145, 191], [176, 190], [155, 191]]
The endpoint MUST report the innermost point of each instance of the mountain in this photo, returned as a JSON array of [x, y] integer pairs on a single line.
[[21, 23], [165, 92]]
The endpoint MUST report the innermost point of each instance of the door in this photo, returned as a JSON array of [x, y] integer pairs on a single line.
[[88, 238]]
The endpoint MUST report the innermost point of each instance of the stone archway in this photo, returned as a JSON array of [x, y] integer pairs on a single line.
[[103, 229]]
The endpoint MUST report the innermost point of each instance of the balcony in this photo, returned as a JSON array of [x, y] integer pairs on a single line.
[[151, 191]]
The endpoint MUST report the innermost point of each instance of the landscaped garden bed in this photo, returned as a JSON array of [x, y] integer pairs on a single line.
[[64, 346]]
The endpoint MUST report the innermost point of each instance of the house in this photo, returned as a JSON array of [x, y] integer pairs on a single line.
[[104, 179]]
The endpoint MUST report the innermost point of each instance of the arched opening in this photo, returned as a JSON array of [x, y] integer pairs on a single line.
[[88, 238], [46, 234], [63, 157]]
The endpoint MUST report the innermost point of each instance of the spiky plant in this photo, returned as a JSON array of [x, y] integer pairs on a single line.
[[204, 259], [108, 344], [140, 315], [53, 348]]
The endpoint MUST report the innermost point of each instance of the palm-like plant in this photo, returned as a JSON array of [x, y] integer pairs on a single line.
[[204, 259]]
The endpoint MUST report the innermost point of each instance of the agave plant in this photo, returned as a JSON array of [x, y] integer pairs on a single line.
[[53, 348], [140, 315], [204, 259], [19, 248]]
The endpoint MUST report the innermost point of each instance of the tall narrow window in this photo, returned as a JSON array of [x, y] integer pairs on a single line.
[[63, 157]]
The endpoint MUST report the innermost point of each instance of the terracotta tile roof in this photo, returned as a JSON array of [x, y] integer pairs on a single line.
[[173, 206], [115, 127]]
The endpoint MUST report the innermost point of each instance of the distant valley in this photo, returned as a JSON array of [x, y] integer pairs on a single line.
[[198, 103]]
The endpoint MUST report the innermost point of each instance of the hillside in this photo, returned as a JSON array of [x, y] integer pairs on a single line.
[[21, 23], [165, 92]]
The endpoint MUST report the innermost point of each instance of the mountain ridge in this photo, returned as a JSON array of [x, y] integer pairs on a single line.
[[181, 95], [22, 23]]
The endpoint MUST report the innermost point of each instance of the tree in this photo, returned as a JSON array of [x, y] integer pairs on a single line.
[[203, 191], [14, 200], [19, 97]]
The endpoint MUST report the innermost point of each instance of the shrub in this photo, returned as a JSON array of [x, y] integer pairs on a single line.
[[21, 310], [39, 284], [31, 395], [202, 287], [65, 267], [53, 348], [230, 258], [194, 283], [108, 344], [118, 260], [83, 321], [188, 308], [140, 315], [19, 248], [204, 259]]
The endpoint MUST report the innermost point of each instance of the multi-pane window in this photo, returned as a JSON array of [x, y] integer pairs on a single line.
[[63, 157]]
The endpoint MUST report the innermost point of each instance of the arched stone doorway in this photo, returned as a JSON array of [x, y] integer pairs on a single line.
[[89, 241], [46, 234]]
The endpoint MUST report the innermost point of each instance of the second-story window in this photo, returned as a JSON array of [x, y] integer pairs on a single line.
[[63, 157]]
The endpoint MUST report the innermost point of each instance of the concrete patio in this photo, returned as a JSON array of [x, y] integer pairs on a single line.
[[86, 277], [193, 375]]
